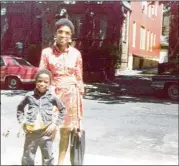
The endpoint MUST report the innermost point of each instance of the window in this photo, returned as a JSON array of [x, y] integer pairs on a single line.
[[154, 43], [133, 34], [99, 27], [78, 21], [124, 33], [149, 11], [3, 11], [99, 2], [103, 27], [69, 2], [144, 7], [148, 40], [152, 10], [156, 8], [142, 38], [21, 62], [151, 41]]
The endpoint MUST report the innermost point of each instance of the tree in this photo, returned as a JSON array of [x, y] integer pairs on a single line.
[[172, 9]]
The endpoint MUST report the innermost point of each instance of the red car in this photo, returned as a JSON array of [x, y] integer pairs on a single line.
[[16, 71]]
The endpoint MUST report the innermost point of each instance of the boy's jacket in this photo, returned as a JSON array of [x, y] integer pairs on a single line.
[[40, 107]]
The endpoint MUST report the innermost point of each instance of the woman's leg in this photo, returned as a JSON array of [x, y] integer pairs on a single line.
[[64, 142]]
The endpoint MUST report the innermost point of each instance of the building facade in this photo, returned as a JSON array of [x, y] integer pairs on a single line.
[[144, 34], [100, 30]]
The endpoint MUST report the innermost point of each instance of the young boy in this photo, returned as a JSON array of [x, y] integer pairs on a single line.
[[40, 120]]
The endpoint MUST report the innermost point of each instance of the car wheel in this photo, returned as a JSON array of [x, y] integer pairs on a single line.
[[13, 83], [173, 90]]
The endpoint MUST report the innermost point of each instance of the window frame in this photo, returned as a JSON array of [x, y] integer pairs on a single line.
[[148, 41], [142, 38], [151, 41], [134, 31]]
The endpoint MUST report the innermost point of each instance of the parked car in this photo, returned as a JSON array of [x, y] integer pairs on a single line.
[[169, 84], [16, 72]]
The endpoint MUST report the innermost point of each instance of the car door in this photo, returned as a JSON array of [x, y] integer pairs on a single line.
[[3, 68]]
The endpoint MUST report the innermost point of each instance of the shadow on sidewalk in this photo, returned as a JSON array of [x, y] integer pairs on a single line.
[[112, 94], [120, 95]]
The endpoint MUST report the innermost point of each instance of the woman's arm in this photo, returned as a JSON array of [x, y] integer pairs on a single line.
[[43, 61], [59, 112], [79, 74]]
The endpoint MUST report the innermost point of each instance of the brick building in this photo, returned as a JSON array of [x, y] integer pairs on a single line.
[[101, 30], [145, 33]]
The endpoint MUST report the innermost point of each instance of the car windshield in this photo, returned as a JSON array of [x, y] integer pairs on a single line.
[[21, 62], [2, 62]]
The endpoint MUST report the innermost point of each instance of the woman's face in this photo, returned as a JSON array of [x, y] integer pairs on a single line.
[[63, 35]]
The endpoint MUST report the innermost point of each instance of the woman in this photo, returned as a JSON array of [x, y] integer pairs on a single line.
[[65, 63]]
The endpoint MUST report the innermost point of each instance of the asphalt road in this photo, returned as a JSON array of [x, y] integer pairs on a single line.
[[120, 129], [135, 85]]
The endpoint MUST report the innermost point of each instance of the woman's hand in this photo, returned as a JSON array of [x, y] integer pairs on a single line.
[[50, 129]]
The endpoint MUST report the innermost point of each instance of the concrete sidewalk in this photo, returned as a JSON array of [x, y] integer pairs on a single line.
[[89, 160], [104, 146], [13, 157], [11, 153]]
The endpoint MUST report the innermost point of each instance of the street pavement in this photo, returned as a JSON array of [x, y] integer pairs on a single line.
[[126, 85], [136, 85], [120, 129]]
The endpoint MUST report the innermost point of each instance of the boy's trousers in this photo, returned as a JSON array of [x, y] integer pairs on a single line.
[[32, 141]]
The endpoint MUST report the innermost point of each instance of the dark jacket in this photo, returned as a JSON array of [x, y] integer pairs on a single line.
[[42, 105]]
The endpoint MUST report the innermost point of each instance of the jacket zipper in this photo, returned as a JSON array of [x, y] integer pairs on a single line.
[[38, 116], [39, 112]]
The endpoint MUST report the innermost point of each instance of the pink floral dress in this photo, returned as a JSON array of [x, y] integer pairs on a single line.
[[67, 82]]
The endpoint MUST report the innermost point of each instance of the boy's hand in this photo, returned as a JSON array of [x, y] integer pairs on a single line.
[[21, 130], [50, 129]]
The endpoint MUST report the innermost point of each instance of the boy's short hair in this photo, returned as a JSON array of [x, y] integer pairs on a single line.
[[43, 71], [65, 22]]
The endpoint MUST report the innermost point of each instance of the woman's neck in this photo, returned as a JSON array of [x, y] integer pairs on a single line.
[[62, 48]]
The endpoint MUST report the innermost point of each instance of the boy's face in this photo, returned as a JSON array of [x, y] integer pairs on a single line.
[[43, 82]]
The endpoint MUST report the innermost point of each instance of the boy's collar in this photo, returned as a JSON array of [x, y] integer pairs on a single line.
[[36, 92]]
